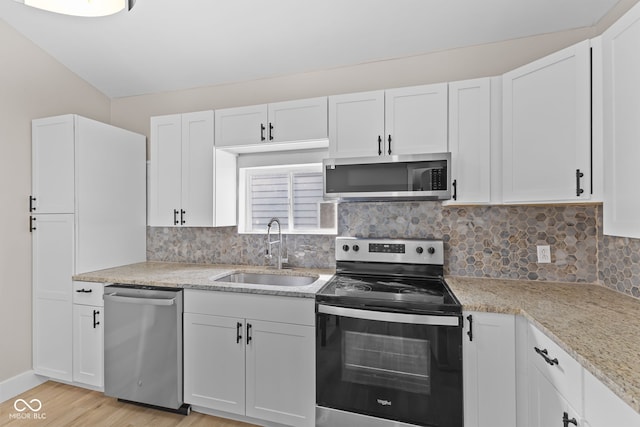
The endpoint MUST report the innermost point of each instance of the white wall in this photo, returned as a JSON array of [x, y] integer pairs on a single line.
[[32, 84]]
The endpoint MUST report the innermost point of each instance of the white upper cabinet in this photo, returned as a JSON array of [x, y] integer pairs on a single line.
[[403, 121], [271, 127], [182, 175], [470, 141], [197, 169], [165, 184], [621, 68], [53, 165], [356, 124], [546, 129], [241, 125], [300, 120], [416, 120]]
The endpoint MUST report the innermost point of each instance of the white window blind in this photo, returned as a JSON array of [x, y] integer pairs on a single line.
[[291, 194]]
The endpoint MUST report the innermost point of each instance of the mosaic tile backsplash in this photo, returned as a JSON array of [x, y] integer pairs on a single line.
[[480, 241]]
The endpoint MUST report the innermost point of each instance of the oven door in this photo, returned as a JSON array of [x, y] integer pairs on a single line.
[[394, 366]]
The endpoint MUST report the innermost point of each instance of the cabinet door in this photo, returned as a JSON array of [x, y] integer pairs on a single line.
[[53, 266], [621, 209], [110, 200], [88, 345], [602, 408], [197, 169], [281, 373], [299, 120], [52, 155], [547, 407], [165, 186], [241, 126], [547, 144], [470, 140], [356, 124], [416, 120], [214, 361], [489, 370]]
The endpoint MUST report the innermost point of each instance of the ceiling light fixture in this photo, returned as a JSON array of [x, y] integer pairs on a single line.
[[87, 8]]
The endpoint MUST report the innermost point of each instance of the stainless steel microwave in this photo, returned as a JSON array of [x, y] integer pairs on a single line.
[[409, 177]]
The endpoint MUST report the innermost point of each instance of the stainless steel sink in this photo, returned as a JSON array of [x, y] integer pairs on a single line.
[[268, 279]]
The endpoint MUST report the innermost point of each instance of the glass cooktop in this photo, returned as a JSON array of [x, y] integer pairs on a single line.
[[401, 294]]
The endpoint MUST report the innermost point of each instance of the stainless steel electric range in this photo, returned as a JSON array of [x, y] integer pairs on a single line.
[[389, 337]]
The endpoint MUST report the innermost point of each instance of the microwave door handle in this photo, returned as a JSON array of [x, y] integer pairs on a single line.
[[417, 319]]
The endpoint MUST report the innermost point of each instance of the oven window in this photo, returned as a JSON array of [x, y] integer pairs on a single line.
[[386, 361]]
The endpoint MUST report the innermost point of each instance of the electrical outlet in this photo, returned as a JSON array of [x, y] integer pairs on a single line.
[[544, 254]]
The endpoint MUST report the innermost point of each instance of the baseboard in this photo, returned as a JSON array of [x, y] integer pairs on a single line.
[[19, 384]]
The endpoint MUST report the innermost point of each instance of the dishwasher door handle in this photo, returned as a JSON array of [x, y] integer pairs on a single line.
[[139, 300]]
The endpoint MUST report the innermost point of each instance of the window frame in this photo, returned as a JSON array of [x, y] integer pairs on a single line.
[[244, 199]]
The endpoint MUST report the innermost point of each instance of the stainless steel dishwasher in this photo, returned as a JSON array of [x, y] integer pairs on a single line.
[[143, 345]]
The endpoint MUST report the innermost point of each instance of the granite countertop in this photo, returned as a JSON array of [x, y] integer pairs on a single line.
[[202, 276], [598, 327]]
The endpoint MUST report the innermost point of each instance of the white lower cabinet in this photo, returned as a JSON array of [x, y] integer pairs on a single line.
[[602, 408], [214, 360], [53, 266], [547, 407], [555, 383], [88, 334], [489, 373], [260, 365]]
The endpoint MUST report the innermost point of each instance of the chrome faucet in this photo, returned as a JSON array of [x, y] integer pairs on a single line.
[[279, 242]]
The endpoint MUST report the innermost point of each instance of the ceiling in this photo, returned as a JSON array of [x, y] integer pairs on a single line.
[[165, 45]]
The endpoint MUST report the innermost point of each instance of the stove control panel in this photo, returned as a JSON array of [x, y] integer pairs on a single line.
[[407, 251]]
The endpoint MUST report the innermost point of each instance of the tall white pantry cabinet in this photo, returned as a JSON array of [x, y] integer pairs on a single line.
[[87, 212]]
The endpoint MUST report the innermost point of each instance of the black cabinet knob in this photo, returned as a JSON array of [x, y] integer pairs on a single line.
[[345, 248], [431, 250], [419, 249], [356, 248]]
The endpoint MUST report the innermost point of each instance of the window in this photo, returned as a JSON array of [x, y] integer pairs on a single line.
[[292, 193]]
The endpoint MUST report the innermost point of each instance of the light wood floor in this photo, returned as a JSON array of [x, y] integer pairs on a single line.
[[68, 406]]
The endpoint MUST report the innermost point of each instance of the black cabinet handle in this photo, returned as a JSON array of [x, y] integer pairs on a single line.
[[249, 333], [270, 131], [95, 315], [579, 190], [31, 200], [175, 217], [84, 291], [454, 184], [379, 145], [566, 421], [31, 226], [470, 332], [389, 147], [182, 213], [545, 355], [262, 138], [238, 332]]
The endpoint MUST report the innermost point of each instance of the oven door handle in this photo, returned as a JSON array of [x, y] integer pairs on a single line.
[[383, 316]]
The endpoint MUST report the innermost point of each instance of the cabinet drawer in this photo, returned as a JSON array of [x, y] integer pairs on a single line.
[[88, 293], [272, 308], [562, 371]]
